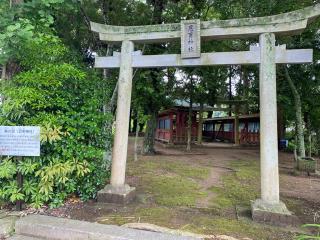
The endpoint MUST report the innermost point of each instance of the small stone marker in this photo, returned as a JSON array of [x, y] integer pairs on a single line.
[[23, 141], [190, 39]]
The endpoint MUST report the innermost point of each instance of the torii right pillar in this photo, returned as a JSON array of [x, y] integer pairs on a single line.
[[269, 208]]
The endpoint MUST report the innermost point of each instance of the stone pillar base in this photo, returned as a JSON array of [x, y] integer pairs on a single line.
[[274, 214], [119, 195]]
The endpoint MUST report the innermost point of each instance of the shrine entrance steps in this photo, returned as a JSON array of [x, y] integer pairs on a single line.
[[37, 227]]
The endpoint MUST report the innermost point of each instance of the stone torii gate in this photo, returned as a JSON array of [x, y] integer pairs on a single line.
[[267, 55]]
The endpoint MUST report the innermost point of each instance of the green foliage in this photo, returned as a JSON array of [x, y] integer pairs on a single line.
[[22, 23], [308, 237], [66, 101]]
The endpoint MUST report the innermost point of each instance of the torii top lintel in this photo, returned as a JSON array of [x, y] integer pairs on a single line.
[[290, 23]]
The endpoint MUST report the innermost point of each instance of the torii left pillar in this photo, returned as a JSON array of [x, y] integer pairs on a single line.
[[117, 191], [269, 208]]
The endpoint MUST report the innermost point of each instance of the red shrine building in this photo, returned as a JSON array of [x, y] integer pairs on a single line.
[[172, 126], [223, 129], [173, 123]]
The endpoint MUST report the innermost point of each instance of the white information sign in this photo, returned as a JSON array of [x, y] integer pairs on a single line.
[[190, 39], [21, 141]]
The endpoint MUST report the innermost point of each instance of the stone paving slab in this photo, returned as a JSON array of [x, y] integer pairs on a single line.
[[20, 237], [7, 226], [65, 229], [3, 214]]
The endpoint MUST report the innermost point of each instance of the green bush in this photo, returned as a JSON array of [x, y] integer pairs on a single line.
[[66, 102], [315, 236]]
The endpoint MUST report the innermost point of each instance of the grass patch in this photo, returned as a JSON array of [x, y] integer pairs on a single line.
[[170, 183], [186, 170], [156, 215], [221, 200], [173, 190], [143, 167], [240, 187], [156, 165]]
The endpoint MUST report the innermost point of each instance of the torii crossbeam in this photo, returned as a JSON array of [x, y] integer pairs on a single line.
[[267, 55]]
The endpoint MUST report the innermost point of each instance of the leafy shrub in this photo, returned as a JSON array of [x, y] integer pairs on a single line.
[[66, 101], [306, 237]]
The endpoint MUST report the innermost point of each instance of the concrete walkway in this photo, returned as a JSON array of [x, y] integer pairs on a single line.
[[37, 227]]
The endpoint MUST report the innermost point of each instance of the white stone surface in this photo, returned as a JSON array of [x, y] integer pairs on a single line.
[[53, 228], [20, 237], [190, 39], [268, 121], [280, 207], [283, 24], [119, 154], [208, 59], [7, 226]]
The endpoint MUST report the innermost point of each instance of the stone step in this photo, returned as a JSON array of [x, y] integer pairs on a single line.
[[65, 229], [20, 237]]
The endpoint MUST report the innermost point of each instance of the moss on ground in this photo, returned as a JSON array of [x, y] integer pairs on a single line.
[[170, 183], [156, 215], [186, 170], [161, 216], [174, 190], [239, 188], [167, 166]]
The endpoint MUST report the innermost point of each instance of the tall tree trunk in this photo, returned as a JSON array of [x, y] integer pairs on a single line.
[[281, 124], [109, 107], [309, 134], [3, 73], [10, 68], [245, 90], [189, 130], [200, 124], [318, 141], [310, 146], [15, 2], [135, 121], [299, 120], [130, 118], [149, 137], [136, 143], [230, 90], [141, 126]]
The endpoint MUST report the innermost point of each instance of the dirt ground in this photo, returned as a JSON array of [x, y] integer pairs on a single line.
[[207, 191]]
